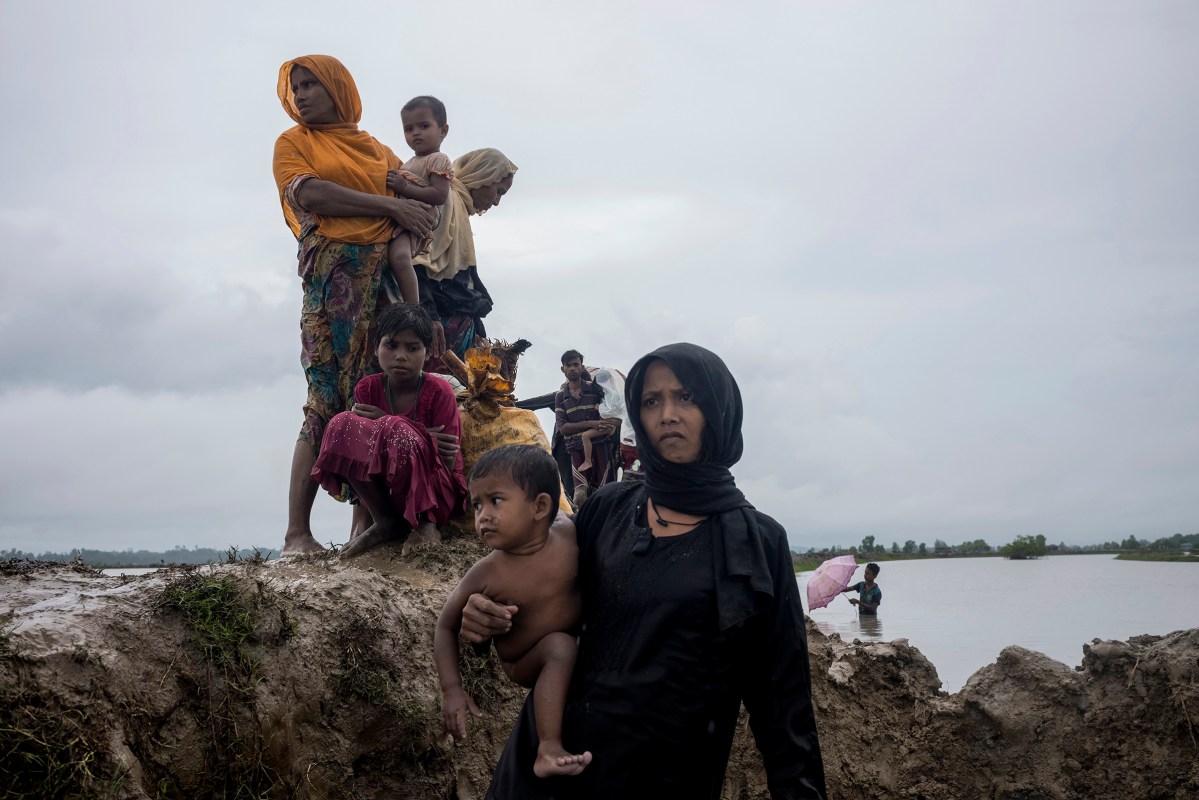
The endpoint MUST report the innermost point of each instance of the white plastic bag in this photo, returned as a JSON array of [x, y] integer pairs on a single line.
[[613, 405]]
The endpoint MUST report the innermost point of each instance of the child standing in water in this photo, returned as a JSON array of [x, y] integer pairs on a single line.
[[514, 491], [870, 597], [426, 178]]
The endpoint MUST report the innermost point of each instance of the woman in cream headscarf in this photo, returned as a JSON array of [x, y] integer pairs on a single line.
[[450, 288], [332, 178]]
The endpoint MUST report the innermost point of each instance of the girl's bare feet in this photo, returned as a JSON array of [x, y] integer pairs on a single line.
[[383, 530], [300, 544], [426, 535], [556, 761]]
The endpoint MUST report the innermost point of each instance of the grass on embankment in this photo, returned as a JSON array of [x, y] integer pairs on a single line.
[[1158, 555]]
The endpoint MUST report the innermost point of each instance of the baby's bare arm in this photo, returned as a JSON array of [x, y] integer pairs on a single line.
[[434, 194], [445, 634], [456, 704]]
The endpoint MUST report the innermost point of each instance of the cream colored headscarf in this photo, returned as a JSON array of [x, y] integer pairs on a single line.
[[453, 247]]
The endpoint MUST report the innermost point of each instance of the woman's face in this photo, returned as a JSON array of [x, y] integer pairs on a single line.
[[485, 197], [315, 105], [672, 420]]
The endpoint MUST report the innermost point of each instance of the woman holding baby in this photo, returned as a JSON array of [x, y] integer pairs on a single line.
[[332, 183], [690, 608]]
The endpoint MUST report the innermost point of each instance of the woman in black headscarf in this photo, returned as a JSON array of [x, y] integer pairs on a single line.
[[690, 608]]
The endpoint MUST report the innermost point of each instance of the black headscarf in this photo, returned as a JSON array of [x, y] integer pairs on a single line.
[[707, 486]]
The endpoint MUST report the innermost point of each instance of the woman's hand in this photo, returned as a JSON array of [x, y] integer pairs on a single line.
[[368, 411], [484, 619], [455, 704], [416, 218], [447, 446], [437, 349]]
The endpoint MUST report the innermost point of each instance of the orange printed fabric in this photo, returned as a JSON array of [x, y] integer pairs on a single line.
[[338, 153]]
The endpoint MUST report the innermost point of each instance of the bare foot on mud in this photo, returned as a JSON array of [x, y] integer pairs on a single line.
[[422, 538], [556, 761], [300, 543], [382, 531]]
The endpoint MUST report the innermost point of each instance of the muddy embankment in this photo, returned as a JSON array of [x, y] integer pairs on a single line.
[[313, 678]]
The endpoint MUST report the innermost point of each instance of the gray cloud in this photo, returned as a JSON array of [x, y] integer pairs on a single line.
[[949, 252]]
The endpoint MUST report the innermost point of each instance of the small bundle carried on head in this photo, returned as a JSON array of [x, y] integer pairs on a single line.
[[488, 376]]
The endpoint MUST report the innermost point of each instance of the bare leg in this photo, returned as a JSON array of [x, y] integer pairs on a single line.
[[399, 257], [387, 524], [360, 521], [300, 497], [547, 668], [587, 437]]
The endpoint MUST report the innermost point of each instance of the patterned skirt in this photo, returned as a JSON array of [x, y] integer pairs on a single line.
[[399, 453], [341, 291]]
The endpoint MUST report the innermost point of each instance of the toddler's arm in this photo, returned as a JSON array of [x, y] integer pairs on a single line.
[[435, 194], [455, 702]]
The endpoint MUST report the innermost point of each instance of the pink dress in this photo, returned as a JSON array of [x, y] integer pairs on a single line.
[[398, 449]]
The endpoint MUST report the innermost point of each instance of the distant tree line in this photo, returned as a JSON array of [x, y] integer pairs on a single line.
[[143, 558], [1028, 546]]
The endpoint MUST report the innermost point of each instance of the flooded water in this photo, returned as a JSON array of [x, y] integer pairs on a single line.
[[962, 612], [129, 570]]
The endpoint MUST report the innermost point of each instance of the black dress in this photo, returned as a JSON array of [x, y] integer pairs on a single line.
[[657, 687]]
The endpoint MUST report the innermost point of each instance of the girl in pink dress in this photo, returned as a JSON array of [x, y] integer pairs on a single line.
[[398, 446]]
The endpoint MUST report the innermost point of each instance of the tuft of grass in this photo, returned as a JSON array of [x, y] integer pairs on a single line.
[[224, 622], [221, 619], [364, 673], [255, 557], [46, 752], [481, 674]]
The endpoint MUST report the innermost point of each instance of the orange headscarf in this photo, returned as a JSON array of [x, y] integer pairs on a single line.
[[338, 153]]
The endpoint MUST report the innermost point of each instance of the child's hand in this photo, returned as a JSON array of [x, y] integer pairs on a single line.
[[455, 704], [396, 182], [447, 444], [368, 411]]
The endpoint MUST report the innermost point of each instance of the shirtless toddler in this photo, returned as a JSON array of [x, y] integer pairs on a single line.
[[514, 491]]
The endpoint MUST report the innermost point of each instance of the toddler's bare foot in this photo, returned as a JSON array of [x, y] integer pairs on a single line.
[[382, 531], [425, 536], [586, 465], [300, 543], [556, 761]]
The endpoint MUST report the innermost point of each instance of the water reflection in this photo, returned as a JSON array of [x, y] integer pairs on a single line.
[[871, 626], [867, 627]]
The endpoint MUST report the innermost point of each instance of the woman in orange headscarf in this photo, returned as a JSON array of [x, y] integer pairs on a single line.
[[332, 180]]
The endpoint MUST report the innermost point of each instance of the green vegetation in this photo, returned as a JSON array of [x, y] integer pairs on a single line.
[[1170, 548], [1025, 547], [228, 625], [48, 752], [365, 673], [104, 559], [1158, 555]]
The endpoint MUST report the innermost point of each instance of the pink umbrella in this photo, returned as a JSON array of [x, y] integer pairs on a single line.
[[829, 580]]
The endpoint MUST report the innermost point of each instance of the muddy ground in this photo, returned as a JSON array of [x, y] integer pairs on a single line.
[[313, 678]]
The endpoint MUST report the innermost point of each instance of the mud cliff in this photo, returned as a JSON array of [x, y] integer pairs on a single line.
[[313, 678]]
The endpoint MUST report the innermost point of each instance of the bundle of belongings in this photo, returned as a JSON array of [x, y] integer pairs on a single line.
[[486, 403]]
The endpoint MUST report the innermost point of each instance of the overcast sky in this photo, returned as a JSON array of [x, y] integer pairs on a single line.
[[949, 250]]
